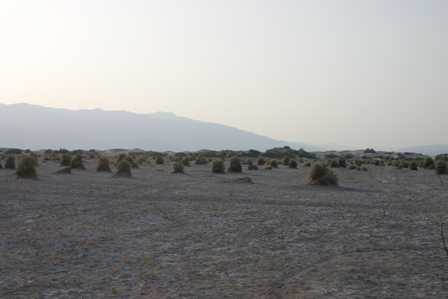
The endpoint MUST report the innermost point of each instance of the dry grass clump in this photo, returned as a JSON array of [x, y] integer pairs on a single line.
[[441, 168], [178, 167], [404, 164], [143, 161], [218, 167], [10, 162], [273, 164], [333, 164], [159, 160], [235, 165], [123, 169], [293, 164], [129, 159], [428, 163], [413, 165], [186, 162], [322, 175], [103, 165], [77, 162], [27, 168], [200, 160], [251, 166], [66, 160]]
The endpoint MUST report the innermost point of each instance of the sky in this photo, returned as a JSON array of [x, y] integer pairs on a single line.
[[352, 72]]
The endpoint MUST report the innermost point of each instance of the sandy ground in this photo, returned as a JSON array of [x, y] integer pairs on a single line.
[[160, 235]]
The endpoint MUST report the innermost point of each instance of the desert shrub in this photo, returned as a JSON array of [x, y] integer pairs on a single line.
[[273, 164], [142, 160], [66, 160], [129, 159], [261, 162], [251, 166], [442, 157], [180, 155], [120, 158], [342, 163], [132, 162], [293, 164], [304, 154], [428, 163], [124, 169], [286, 161], [178, 167], [348, 156], [397, 164], [331, 156], [352, 167], [26, 168], [413, 165], [404, 164], [322, 175], [10, 162], [160, 160], [441, 168], [235, 165], [186, 162], [77, 162], [200, 160], [363, 168], [378, 162], [307, 164], [333, 163], [280, 152], [218, 166], [103, 165]]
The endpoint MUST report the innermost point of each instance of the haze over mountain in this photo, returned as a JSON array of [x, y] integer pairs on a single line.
[[38, 127]]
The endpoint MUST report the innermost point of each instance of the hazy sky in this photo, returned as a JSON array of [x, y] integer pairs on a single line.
[[352, 72]]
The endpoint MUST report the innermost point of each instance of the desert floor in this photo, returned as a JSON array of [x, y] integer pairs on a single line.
[[199, 235]]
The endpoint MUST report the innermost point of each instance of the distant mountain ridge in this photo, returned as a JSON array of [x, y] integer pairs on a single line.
[[432, 150], [38, 127]]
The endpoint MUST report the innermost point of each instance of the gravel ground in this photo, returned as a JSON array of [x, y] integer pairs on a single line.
[[199, 235]]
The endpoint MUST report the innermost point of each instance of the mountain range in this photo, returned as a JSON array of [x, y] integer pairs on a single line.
[[38, 127]]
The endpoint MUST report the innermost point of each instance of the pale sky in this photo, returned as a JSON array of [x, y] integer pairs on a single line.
[[352, 72]]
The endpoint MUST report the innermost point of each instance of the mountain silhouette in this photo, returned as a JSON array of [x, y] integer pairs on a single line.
[[38, 127]]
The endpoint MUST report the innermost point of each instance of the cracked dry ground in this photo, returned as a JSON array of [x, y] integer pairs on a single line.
[[159, 235]]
